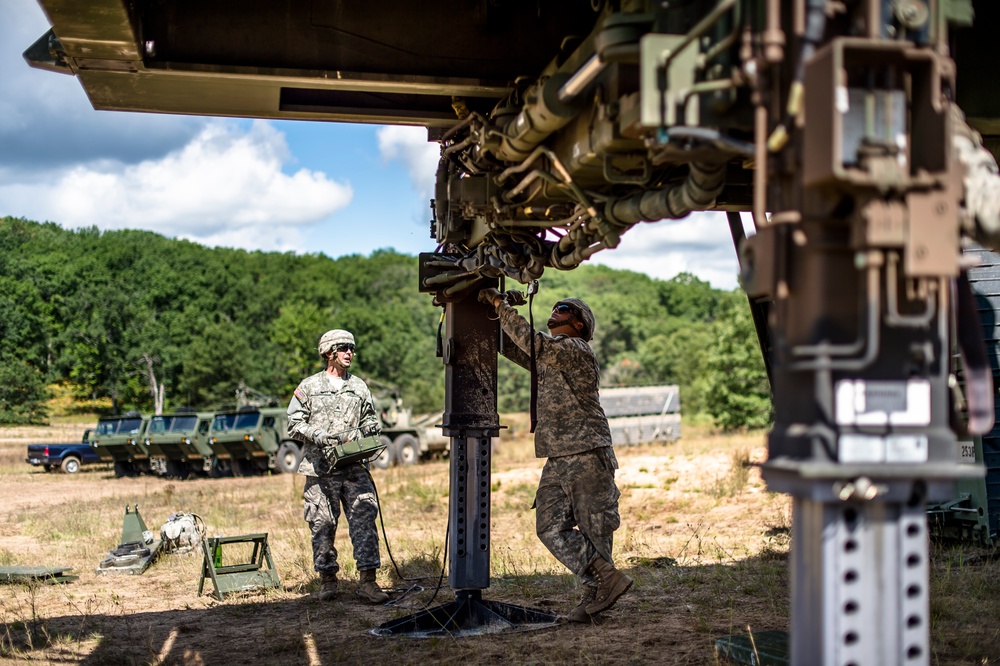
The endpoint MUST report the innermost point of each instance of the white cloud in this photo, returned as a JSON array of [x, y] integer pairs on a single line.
[[420, 157], [225, 187], [700, 244]]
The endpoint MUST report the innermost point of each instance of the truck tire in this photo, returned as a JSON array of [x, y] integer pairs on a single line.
[[288, 458], [70, 464], [242, 467], [178, 469], [384, 459], [407, 450], [124, 468]]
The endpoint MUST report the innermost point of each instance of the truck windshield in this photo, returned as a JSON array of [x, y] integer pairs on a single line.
[[107, 427], [247, 420], [119, 426], [130, 426], [161, 424], [225, 422]]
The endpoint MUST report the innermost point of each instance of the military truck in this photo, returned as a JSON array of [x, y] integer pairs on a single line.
[[118, 440], [251, 440], [178, 443], [408, 439]]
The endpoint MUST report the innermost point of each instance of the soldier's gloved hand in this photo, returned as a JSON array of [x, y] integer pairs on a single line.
[[326, 440], [489, 295], [514, 297]]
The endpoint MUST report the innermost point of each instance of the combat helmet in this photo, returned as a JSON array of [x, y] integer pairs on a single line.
[[333, 338], [584, 314]]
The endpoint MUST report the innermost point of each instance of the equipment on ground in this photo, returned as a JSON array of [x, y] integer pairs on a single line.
[[642, 414], [36, 575], [136, 551], [182, 533], [255, 572]]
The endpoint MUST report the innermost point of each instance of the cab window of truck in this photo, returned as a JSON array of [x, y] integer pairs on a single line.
[[130, 426], [179, 423], [269, 422], [247, 420], [223, 422]]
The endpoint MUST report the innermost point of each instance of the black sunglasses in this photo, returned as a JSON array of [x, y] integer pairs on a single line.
[[562, 307], [344, 348]]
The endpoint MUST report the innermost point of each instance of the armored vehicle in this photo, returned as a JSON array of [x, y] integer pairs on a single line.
[[407, 438], [118, 440], [178, 442], [251, 440]]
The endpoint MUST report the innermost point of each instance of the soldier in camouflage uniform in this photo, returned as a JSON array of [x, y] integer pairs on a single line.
[[328, 408], [577, 499]]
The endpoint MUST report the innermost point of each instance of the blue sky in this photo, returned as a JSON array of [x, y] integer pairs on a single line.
[[305, 187]]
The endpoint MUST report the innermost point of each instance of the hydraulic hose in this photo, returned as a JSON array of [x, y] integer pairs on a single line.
[[697, 192]]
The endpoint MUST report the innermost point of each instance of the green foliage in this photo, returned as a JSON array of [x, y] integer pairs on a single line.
[[83, 308], [738, 393]]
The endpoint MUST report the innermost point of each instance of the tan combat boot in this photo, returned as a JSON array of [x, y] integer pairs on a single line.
[[327, 586], [369, 589], [611, 584], [579, 612]]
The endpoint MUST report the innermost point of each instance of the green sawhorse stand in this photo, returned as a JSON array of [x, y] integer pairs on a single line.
[[258, 573]]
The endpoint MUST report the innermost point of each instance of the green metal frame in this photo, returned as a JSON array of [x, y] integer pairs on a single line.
[[44, 575], [258, 573]]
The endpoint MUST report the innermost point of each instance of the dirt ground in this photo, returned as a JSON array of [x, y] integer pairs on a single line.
[[705, 542]]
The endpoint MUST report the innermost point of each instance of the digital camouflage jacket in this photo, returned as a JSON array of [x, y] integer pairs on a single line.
[[570, 417], [318, 410]]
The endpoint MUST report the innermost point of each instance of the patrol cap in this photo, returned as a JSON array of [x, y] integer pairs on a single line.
[[333, 338], [584, 314]]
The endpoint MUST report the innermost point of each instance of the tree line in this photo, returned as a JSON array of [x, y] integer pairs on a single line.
[[133, 320]]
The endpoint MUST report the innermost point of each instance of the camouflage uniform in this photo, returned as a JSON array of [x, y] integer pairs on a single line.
[[318, 411], [577, 499]]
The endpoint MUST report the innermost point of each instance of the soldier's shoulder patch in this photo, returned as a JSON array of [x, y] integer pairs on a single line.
[[300, 394]]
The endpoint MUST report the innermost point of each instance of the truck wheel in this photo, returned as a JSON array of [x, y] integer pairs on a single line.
[[124, 468], [288, 457], [242, 467], [384, 459], [70, 464], [407, 450], [178, 469]]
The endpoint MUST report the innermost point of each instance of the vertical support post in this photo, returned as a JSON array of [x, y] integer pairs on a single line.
[[861, 568], [471, 421]]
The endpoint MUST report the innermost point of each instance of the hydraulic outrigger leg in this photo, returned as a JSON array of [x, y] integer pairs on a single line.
[[471, 421]]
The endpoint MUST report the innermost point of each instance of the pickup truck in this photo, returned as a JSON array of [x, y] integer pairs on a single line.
[[67, 457]]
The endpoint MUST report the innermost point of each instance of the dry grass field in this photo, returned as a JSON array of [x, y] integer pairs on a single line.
[[705, 542]]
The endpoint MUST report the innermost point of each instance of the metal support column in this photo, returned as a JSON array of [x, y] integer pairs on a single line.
[[470, 419]]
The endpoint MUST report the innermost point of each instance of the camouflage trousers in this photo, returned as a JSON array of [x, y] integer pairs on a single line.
[[576, 508], [351, 487]]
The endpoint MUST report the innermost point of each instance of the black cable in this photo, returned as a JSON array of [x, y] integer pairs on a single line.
[[388, 549], [533, 395]]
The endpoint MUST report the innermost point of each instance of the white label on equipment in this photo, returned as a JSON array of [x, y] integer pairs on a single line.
[[861, 449], [906, 449], [875, 449], [967, 452], [879, 403]]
